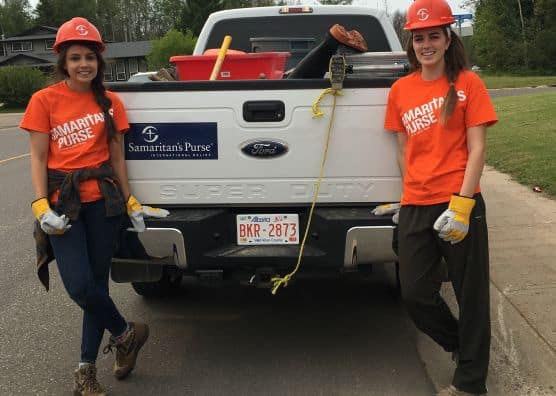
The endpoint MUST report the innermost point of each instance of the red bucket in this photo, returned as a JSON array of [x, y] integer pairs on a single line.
[[251, 66]]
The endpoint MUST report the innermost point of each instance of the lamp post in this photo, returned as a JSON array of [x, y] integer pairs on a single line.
[[523, 34], [3, 53]]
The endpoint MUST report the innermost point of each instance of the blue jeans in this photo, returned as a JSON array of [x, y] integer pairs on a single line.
[[83, 255]]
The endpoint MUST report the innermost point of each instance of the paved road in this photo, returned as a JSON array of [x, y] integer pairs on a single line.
[[314, 338], [333, 338], [496, 93]]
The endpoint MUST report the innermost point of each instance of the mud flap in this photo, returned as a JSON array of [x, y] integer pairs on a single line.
[[128, 270], [131, 263]]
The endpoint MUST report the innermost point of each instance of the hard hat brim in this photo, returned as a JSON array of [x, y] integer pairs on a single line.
[[428, 24], [101, 46]]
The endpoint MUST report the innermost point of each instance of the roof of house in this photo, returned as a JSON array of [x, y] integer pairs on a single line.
[[30, 37], [35, 33], [127, 49], [29, 60], [130, 49]]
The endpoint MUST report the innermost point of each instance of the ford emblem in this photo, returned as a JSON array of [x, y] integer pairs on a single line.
[[264, 148]]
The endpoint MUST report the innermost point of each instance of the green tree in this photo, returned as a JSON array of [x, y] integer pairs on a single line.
[[341, 2], [194, 13], [324, 2], [398, 21], [18, 83], [504, 33], [45, 13], [228, 4], [543, 54], [497, 35], [15, 17], [136, 19], [110, 20], [166, 14], [173, 43], [56, 12]]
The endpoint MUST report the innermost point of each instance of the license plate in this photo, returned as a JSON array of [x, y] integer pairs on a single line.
[[267, 229]]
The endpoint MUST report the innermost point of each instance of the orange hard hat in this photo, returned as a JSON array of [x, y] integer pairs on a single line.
[[78, 29], [428, 13]]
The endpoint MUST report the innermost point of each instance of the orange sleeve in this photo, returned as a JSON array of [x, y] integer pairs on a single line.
[[479, 108], [393, 120], [120, 116], [37, 114]]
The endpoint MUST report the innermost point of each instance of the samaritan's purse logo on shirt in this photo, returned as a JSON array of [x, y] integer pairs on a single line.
[[420, 118], [76, 132]]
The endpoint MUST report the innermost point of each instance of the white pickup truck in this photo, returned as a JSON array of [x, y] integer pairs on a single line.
[[236, 163]]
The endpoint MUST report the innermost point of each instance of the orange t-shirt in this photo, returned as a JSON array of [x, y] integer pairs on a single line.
[[75, 123], [436, 154]]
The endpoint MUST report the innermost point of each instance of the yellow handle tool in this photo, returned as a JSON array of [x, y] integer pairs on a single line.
[[221, 55]]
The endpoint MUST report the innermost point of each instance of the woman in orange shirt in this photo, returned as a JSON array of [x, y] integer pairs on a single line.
[[440, 113], [78, 166]]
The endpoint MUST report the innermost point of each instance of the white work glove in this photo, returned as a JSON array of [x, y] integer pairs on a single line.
[[453, 224], [49, 220], [391, 208], [137, 212]]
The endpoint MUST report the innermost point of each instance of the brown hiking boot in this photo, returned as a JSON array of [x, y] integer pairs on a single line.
[[86, 383], [453, 391], [352, 38], [128, 349]]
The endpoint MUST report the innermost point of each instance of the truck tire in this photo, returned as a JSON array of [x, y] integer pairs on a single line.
[[166, 286]]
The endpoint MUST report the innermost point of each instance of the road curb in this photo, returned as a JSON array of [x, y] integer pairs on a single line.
[[10, 120]]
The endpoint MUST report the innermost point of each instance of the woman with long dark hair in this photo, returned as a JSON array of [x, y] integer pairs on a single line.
[[81, 188], [440, 113]]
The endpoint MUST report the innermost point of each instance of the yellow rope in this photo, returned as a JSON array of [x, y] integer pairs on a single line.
[[317, 112]]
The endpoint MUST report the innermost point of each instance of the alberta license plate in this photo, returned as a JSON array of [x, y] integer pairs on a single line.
[[267, 229]]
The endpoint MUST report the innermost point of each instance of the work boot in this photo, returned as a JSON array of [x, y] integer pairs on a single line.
[[315, 63], [352, 38], [128, 349], [86, 383], [453, 391]]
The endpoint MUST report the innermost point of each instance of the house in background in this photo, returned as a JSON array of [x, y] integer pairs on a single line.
[[34, 48], [125, 59]]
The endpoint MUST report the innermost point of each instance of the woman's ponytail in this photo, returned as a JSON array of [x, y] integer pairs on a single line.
[[456, 61], [99, 92]]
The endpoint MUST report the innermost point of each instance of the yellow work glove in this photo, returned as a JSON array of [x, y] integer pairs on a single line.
[[391, 208], [453, 224], [49, 220], [136, 212]]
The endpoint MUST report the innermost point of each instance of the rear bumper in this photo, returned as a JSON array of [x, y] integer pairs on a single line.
[[340, 238]]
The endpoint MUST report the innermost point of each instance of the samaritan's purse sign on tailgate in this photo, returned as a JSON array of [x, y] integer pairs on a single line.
[[169, 141], [267, 229]]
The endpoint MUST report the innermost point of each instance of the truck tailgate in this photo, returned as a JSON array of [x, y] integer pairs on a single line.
[[185, 147]]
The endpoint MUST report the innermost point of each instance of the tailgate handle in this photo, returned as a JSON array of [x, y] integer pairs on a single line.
[[263, 111]]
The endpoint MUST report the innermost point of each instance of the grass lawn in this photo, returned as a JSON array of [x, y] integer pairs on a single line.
[[516, 81], [523, 142]]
